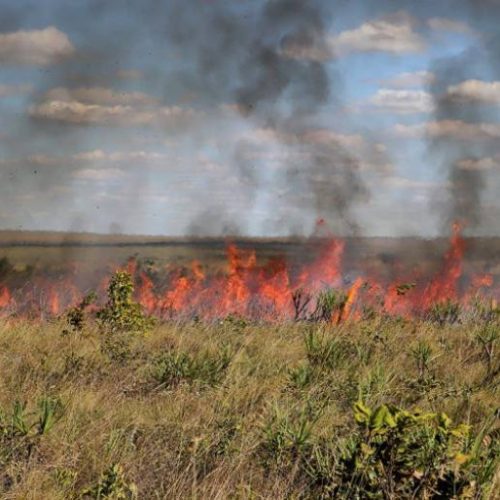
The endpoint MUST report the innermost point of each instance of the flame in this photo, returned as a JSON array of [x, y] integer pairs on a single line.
[[485, 280], [326, 270], [352, 295], [236, 294], [146, 294], [444, 285], [54, 304], [5, 297], [264, 291], [275, 287]]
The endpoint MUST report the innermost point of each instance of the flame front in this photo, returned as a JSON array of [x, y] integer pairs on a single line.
[[266, 291]]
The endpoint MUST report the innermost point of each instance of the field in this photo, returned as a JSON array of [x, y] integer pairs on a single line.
[[102, 402]]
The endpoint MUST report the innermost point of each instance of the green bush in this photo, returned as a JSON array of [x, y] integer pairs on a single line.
[[396, 453], [205, 368], [75, 316], [444, 312], [329, 303], [121, 313], [324, 352], [288, 436], [112, 485], [20, 430]]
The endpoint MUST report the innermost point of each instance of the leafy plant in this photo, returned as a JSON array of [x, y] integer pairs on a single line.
[[422, 354], [329, 305], [301, 376], [121, 313], [488, 338], [175, 367], [399, 454], [485, 310], [112, 485], [325, 352], [404, 288], [444, 312], [287, 435], [75, 317], [20, 431]]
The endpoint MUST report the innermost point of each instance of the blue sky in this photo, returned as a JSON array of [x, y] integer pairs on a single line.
[[164, 117]]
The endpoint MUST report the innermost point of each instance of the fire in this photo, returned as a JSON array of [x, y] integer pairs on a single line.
[[266, 291], [5, 297], [444, 285], [485, 280], [275, 287], [146, 294], [351, 299], [236, 293], [326, 270]]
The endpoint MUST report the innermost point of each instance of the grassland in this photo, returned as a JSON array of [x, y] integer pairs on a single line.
[[240, 409], [231, 409]]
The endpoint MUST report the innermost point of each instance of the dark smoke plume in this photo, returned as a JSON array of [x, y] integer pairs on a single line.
[[460, 158], [267, 59], [259, 60]]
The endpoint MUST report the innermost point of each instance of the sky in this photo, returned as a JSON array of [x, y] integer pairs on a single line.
[[256, 117]]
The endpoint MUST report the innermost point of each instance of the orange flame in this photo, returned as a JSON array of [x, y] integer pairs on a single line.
[[266, 291], [352, 295]]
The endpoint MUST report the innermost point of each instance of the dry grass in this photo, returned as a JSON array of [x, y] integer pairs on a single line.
[[199, 433]]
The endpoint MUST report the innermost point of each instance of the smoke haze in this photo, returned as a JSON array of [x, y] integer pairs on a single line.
[[252, 118]]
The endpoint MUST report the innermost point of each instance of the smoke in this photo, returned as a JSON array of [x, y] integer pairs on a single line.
[[270, 62], [267, 60], [461, 158]]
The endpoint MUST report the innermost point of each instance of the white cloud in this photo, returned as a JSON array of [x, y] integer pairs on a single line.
[[410, 79], [393, 34], [96, 156], [77, 112], [481, 164], [407, 183], [450, 128], [129, 74], [475, 90], [12, 90], [93, 174], [105, 106], [269, 136], [402, 101], [313, 49], [118, 156], [325, 136], [451, 25], [35, 48], [99, 95]]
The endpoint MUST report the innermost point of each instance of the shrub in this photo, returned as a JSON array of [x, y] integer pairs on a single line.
[[112, 485], [75, 317], [422, 354], [301, 376], [20, 431], [396, 453], [487, 338], [206, 368], [445, 312], [121, 313], [326, 352], [329, 305], [287, 436]]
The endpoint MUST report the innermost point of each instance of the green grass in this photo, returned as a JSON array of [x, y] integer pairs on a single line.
[[232, 409]]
